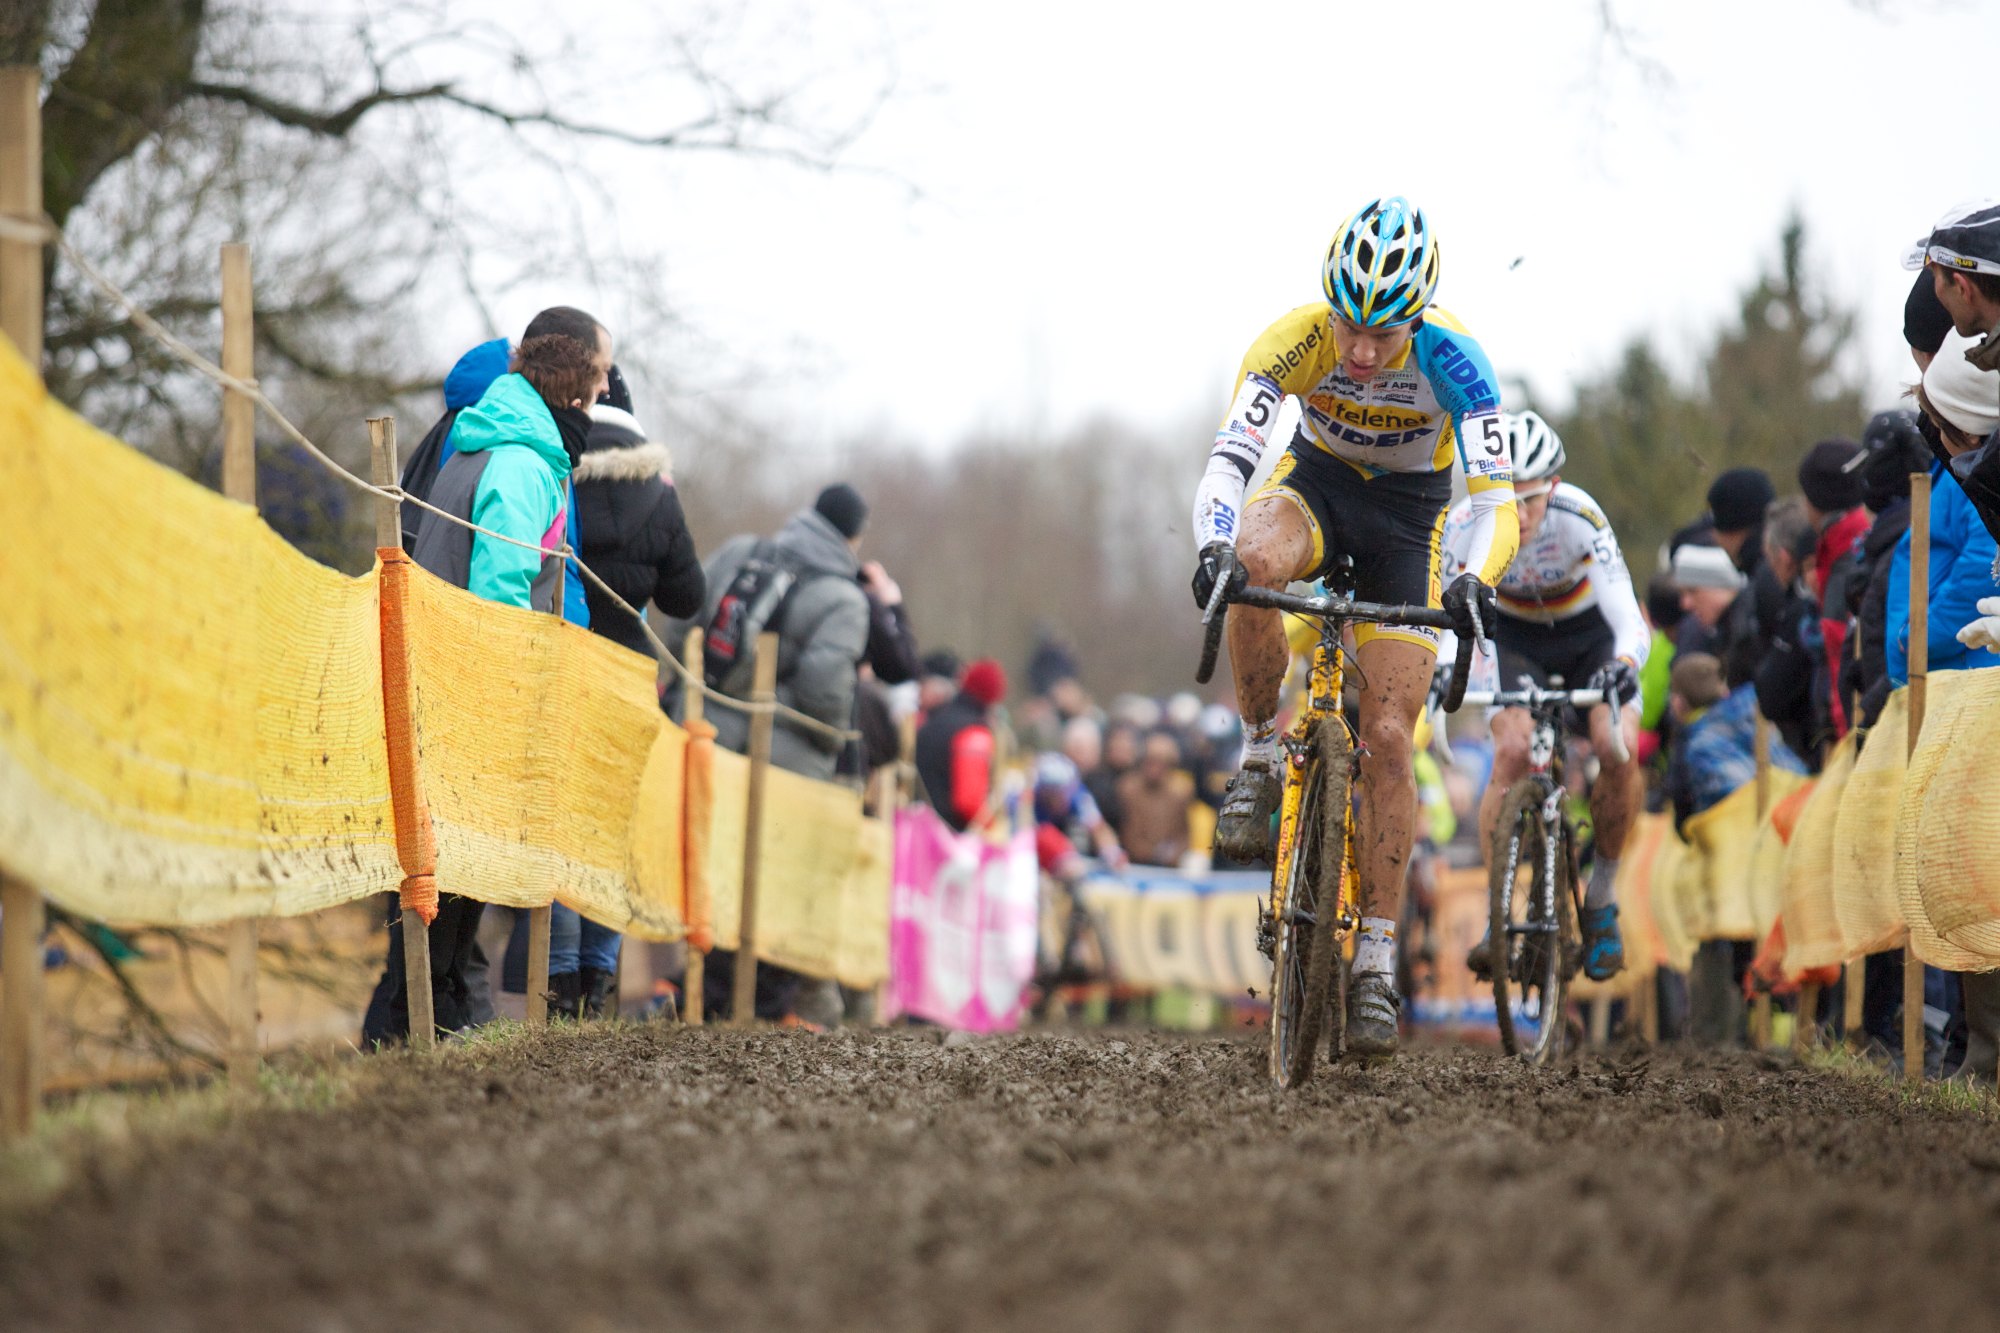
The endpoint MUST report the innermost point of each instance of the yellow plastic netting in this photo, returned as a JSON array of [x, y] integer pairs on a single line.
[[192, 729], [1812, 933], [190, 710], [1864, 837], [1947, 838], [1716, 899]]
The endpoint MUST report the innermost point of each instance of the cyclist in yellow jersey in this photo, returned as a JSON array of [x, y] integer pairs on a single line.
[[1393, 393]]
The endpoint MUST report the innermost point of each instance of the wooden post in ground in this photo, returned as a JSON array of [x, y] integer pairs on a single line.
[[239, 482], [1853, 985], [385, 471], [539, 920], [1920, 663], [764, 693], [23, 915], [694, 976], [1805, 1031], [1760, 1008]]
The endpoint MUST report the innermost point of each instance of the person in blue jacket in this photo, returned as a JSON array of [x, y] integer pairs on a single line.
[[1962, 554]]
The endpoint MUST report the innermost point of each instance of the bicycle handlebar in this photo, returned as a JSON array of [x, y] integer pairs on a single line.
[[1330, 608], [1533, 696]]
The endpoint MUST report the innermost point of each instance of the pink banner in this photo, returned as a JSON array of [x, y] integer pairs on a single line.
[[961, 925]]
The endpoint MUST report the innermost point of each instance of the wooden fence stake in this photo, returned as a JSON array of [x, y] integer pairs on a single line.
[[765, 692], [23, 915], [1920, 664], [539, 919], [416, 934], [1805, 1031], [1760, 1008], [1853, 985], [239, 482], [694, 976]]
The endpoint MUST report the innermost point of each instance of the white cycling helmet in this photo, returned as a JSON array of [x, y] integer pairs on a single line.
[[1536, 449], [1382, 268]]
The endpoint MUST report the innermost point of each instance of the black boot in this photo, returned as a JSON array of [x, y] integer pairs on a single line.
[[598, 992], [565, 996]]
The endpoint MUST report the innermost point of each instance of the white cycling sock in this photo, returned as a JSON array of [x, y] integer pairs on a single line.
[[1603, 878], [1260, 746], [1375, 946]]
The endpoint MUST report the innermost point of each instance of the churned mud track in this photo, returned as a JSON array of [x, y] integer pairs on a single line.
[[644, 1178]]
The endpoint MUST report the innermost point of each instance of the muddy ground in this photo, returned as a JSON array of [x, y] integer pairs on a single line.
[[655, 1177]]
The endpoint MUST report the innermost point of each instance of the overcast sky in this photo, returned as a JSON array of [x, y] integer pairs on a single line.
[[1116, 198]]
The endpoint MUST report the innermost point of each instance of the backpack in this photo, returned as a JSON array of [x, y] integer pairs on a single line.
[[753, 602]]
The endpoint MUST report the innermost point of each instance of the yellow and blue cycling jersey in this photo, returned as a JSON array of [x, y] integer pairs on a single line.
[[1435, 405]]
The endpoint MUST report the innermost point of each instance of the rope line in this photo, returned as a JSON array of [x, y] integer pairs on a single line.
[[17, 229]]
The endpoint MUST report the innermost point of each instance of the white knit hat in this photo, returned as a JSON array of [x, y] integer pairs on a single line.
[[1706, 567], [1966, 396]]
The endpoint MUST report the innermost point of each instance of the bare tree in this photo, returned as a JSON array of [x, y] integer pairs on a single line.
[[397, 170]]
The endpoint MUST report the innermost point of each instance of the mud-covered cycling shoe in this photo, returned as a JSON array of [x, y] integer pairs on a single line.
[[1243, 826], [1479, 958], [1603, 947], [1373, 1008]]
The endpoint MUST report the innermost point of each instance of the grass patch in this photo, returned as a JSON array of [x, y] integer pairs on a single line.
[[1956, 1097]]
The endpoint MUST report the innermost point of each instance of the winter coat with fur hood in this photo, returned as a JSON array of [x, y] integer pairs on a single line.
[[633, 533]]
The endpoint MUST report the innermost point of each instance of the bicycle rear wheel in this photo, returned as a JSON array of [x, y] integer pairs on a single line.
[[1303, 996], [1529, 925]]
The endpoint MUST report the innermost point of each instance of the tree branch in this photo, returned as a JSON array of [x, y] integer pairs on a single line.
[[334, 124]]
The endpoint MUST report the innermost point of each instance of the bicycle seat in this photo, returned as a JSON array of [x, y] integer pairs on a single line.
[[1339, 579]]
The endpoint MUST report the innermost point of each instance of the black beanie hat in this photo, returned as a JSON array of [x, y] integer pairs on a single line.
[[1925, 320], [1738, 499], [842, 506], [1830, 486]]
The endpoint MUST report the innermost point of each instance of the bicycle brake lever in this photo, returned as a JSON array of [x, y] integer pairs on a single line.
[[1217, 597]]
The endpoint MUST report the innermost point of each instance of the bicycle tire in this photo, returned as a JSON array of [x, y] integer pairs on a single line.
[[1301, 987], [1518, 834]]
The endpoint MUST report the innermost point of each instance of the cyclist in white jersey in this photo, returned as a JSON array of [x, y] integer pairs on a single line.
[[1567, 609]]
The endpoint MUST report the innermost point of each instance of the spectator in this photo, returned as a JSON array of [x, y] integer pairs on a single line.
[[634, 537], [1792, 653], [1962, 258], [1155, 798], [822, 628], [514, 452], [1925, 321], [1051, 662], [1663, 612], [1709, 584], [1715, 728], [1714, 753], [937, 684], [1121, 754], [634, 534], [892, 644], [956, 748], [467, 383], [1738, 500], [1963, 404], [1892, 450], [1830, 479]]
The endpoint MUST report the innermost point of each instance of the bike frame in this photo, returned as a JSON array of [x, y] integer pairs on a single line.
[[1325, 684]]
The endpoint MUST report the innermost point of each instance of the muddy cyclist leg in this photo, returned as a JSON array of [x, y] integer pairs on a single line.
[[1512, 729], [1275, 548], [1395, 675]]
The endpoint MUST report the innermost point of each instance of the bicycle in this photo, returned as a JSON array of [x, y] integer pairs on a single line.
[[1314, 866], [1536, 935]]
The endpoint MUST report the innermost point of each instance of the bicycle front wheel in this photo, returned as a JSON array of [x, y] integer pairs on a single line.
[[1527, 926], [1303, 995]]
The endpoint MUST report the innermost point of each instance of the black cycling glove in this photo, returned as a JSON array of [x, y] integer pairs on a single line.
[[1465, 597], [1218, 563], [1620, 678]]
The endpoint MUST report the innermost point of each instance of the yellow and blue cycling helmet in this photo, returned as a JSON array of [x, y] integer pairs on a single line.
[[1382, 268]]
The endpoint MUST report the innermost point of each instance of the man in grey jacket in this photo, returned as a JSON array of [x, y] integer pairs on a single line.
[[822, 628]]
